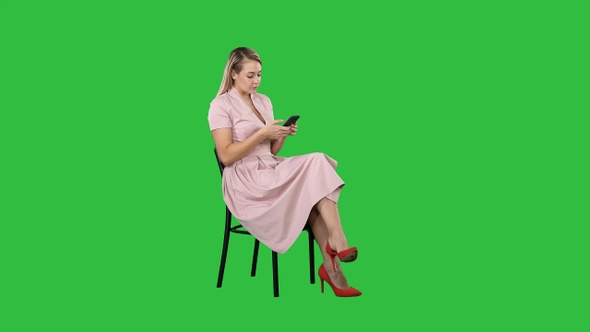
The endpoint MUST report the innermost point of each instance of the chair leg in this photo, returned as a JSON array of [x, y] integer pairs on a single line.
[[275, 273], [255, 257], [311, 257], [225, 247]]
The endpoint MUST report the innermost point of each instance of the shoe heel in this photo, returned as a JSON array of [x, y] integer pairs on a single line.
[[322, 285]]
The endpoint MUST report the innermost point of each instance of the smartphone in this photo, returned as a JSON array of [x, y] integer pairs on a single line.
[[291, 120]]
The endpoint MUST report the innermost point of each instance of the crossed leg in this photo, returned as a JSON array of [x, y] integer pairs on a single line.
[[325, 224]]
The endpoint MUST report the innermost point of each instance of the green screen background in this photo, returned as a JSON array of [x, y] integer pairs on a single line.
[[461, 128]]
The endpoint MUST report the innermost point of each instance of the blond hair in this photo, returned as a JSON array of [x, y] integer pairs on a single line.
[[235, 62]]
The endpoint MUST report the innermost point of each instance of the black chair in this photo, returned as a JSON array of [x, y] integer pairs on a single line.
[[275, 262]]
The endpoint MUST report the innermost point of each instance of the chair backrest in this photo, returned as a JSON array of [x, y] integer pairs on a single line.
[[219, 163]]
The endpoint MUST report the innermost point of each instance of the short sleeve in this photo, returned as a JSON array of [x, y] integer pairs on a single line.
[[270, 108], [218, 115]]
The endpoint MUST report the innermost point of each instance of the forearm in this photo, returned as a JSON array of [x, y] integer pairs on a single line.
[[238, 150], [276, 145]]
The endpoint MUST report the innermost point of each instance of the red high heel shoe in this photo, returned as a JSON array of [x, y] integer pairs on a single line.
[[346, 255], [348, 292]]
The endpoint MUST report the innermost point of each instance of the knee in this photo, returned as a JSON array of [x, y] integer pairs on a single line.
[[319, 155]]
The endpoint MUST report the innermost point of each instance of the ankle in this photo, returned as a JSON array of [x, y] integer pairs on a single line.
[[338, 244]]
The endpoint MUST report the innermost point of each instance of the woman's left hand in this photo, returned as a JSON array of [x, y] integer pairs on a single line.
[[293, 128]]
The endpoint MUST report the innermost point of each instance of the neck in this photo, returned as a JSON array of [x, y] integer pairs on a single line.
[[244, 95]]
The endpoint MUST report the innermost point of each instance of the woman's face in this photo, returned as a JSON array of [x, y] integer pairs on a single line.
[[248, 80]]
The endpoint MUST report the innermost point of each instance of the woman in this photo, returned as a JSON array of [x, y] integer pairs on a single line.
[[273, 197]]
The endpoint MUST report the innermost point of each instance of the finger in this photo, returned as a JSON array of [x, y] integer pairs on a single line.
[[277, 122]]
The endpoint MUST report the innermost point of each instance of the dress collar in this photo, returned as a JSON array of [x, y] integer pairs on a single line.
[[234, 91]]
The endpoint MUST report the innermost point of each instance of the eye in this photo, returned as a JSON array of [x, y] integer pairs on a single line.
[[250, 76]]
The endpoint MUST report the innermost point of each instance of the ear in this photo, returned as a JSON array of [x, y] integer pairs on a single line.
[[233, 74]]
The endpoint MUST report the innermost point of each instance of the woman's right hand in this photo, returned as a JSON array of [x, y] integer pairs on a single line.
[[273, 131]]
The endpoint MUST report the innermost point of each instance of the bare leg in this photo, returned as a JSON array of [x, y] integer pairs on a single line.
[[320, 232], [329, 213]]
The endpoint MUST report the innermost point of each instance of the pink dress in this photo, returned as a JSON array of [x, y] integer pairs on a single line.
[[270, 195]]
